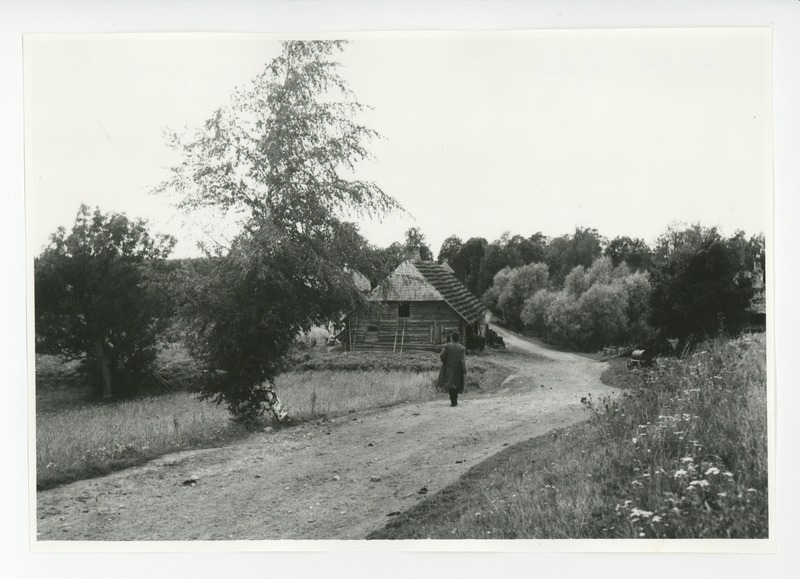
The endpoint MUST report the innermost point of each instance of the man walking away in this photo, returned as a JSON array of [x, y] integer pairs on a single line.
[[454, 368]]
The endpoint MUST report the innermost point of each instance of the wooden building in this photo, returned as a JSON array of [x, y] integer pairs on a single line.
[[415, 308]]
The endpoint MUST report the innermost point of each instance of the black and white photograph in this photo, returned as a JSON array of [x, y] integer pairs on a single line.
[[494, 287], [357, 288]]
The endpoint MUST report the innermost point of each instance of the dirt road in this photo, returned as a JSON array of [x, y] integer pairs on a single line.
[[338, 479]]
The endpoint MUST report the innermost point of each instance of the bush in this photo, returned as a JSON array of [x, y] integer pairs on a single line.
[[602, 309]]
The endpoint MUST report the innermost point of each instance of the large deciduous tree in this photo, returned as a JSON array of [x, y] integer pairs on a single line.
[[95, 296], [701, 283], [281, 156], [568, 251], [415, 245], [633, 251]]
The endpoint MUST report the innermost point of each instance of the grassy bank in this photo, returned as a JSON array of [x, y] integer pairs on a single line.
[[77, 437], [681, 454]]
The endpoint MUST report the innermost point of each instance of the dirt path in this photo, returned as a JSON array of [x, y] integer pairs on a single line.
[[317, 480]]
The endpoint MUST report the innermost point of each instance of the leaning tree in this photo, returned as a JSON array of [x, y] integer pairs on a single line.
[[281, 157]]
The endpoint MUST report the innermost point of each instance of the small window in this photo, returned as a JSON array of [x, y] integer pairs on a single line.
[[404, 310], [371, 335]]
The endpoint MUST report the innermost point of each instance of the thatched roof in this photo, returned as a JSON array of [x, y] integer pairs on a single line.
[[361, 281], [405, 284], [415, 281]]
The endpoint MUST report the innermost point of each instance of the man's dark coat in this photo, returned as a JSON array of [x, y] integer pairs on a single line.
[[454, 367]]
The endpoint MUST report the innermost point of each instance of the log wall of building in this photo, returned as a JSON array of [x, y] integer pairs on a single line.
[[426, 328]]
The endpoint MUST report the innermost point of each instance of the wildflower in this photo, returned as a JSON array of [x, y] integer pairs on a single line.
[[712, 470], [700, 483], [656, 519], [752, 491], [641, 534], [686, 459], [723, 495], [728, 473], [634, 440], [679, 473], [640, 513]]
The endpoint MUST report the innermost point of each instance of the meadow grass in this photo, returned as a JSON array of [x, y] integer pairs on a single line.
[[308, 395], [681, 454], [81, 442]]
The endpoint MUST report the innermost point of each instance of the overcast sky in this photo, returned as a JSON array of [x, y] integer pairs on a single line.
[[624, 131]]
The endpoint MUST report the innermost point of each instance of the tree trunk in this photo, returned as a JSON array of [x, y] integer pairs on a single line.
[[104, 371]]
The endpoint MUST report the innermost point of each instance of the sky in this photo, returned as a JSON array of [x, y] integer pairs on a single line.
[[626, 131]]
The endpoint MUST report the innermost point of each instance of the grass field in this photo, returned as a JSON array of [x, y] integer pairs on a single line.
[[77, 437], [682, 454]]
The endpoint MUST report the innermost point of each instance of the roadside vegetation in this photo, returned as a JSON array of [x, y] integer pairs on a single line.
[[682, 453], [78, 436]]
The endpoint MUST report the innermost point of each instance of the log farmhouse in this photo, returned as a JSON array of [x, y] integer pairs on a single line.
[[416, 308]]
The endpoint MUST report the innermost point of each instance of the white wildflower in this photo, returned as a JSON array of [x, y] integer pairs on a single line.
[[640, 513], [679, 473], [712, 470], [656, 519], [699, 483], [686, 459]]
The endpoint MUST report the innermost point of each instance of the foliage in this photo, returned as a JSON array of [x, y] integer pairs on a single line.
[[279, 151], [491, 297], [281, 156], [597, 307], [577, 282], [449, 250], [469, 264], [604, 320], [246, 311], [701, 284], [522, 282], [415, 245], [98, 299], [633, 251], [568, 251], [512, 252]]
